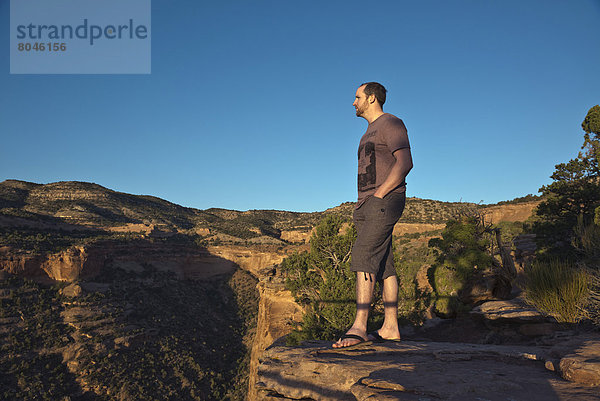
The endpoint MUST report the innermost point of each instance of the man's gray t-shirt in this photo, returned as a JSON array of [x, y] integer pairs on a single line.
[[384, 136]]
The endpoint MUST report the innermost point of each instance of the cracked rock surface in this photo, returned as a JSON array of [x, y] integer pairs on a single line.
[[428, 371]]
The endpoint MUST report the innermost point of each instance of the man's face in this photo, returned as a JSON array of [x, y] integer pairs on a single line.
[[361, 103]]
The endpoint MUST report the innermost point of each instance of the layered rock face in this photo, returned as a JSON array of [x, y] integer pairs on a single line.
[[74, 263], [26, 265], [251, 260], [84, 262], [277, 312], [516, 212]]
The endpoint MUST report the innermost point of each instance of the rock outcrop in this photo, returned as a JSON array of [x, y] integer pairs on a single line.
[[516, 212], [295, 236], [412, 370], [502, 350]]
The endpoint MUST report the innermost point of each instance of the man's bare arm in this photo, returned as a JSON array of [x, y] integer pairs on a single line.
[[398, 172]]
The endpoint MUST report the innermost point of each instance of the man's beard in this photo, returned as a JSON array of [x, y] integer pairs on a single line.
[[361, 110]]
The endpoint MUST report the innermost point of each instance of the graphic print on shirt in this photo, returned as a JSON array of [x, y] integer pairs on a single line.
[[366, 166]]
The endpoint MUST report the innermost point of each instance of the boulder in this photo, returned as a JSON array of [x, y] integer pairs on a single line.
[[515, 319], [584, 369], [514, 310], [579, 359], [72, 290], [484, 285]]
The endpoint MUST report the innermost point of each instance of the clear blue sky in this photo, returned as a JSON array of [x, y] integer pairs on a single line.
[[249, 104]]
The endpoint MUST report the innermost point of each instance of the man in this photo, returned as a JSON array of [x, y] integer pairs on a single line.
[[384, 160]]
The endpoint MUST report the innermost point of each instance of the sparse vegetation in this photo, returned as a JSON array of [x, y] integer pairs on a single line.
[[516, 201], [49, 241], [30, 316], [178, 340]]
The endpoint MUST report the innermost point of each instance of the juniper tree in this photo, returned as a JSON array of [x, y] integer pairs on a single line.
[[575, 190]]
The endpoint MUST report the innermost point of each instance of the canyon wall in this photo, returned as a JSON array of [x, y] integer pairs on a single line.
[[85, 261], [249, 259]]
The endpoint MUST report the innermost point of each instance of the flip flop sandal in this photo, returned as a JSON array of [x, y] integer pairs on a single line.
[[378, 339], [354, 337]]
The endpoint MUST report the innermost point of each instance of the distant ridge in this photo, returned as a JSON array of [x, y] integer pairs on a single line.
[[92, 205]]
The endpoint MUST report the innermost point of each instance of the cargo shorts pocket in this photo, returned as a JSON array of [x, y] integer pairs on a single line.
[[377, 207]]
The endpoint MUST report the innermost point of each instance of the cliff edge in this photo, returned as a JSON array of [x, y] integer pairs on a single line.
[[414, 370]]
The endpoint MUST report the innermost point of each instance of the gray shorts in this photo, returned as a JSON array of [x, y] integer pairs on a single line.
[[374, 221]]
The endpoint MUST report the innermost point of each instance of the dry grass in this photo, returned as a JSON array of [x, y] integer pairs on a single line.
[[593, 305], [559, 289], [587, 241]]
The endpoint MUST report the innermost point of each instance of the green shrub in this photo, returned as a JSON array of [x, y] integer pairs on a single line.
[[447, 283], [510, 229], [558, 289], [321, 280], [413, 301], [464, 246]]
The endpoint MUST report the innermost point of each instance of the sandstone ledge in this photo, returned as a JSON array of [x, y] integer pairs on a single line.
[[420, 371]]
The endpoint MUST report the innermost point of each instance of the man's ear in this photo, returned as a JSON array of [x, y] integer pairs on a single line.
[[371, 99]]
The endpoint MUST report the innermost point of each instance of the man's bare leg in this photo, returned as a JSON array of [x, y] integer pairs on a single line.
[[389, 329], [365, 282]]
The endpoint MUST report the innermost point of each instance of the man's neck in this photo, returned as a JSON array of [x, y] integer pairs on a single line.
[[374, 116]]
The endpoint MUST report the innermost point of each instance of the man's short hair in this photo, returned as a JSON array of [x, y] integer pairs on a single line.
[[375, 88]]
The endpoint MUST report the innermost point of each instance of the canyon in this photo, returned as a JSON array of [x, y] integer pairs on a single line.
[[88, 239]]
